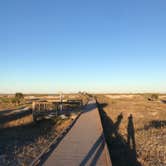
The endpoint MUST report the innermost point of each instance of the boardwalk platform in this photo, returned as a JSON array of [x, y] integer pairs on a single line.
[[84, 144]]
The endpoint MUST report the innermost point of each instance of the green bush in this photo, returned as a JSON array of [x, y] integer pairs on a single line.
[[5, 100], [18, 98]]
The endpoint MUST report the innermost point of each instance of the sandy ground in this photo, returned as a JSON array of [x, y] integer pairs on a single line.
[[121, 96], [146, 128]]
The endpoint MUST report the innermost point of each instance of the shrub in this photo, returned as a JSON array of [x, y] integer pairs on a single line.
[[153, 97], [18, 98]]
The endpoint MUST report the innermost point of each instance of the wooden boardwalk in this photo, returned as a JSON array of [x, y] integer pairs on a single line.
[[84, 144]]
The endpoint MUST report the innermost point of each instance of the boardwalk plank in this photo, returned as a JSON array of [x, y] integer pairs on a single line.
[[84, 144]]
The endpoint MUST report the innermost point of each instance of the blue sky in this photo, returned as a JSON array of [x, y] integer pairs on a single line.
[[92, 45]]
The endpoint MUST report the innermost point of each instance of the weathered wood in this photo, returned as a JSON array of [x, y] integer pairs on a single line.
[[44, 108], [85, 143]]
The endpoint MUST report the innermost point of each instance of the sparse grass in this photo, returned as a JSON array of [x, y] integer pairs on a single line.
[[149, 118], [22, 143], [9, 103], [21, 140]]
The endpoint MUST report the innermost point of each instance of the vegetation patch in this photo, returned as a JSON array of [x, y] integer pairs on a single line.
[[135, 135]]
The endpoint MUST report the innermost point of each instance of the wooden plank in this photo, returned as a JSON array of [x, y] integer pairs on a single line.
[[84, 144]]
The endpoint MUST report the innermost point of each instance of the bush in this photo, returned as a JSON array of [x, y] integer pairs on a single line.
[[5, 100], [153, 97], [18, 98]]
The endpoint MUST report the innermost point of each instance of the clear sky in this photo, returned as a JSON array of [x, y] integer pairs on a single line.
[[93, 45]]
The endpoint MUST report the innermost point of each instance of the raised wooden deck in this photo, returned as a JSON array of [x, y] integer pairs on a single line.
[[84, 144]]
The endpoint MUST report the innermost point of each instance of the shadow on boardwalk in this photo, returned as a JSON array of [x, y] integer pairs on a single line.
[[122, 152], [90, 107], [94, 153]]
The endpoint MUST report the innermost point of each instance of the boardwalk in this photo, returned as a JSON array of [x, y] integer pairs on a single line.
[[84, 144]]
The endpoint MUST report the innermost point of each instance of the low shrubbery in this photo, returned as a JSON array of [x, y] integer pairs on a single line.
[[152, 97], [17, 99]]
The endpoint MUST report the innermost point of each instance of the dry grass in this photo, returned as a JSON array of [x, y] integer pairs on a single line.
[[19, 122], [21, 143], [149, 118], [21, 140]]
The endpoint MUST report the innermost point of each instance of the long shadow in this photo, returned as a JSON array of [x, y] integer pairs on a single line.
[[19, 136], [163, 101], [121, 151], [4, 112], [131, 133], [7, 118], [94, 153], [90, 107], [9, 111]]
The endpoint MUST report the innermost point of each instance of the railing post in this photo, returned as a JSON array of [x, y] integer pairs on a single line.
[[33, 105]]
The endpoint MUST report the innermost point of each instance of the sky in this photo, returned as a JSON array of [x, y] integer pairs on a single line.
[[50, 46]]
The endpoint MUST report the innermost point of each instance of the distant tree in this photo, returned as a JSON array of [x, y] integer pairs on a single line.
[[153, 97], [18, 98]]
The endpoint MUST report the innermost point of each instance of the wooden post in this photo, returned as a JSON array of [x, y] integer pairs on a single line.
[[44, 107], [33, 105], [39, 106]]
